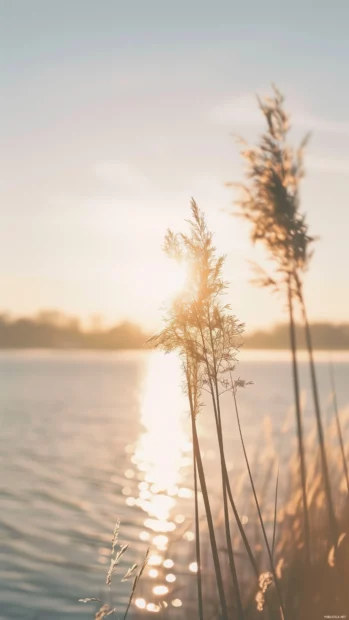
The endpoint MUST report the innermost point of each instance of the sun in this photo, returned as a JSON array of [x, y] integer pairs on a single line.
[[158, 281], [173, 279]]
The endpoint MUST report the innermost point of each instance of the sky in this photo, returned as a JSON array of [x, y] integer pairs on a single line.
[[114, 114]]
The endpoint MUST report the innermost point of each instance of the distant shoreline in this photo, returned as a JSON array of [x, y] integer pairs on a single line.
[[242, 350], [245, 357], [243, 347], [52, 330]]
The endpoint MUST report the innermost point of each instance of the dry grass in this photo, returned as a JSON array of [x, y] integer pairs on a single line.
[[116, 554]]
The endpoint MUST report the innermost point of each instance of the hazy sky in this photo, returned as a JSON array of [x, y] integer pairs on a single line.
[[113, 114]]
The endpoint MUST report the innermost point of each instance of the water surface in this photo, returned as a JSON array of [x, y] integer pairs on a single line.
[[87, 438]]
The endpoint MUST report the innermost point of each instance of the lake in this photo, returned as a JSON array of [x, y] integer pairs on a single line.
[[87, 438]]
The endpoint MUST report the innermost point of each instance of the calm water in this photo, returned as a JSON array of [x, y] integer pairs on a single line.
[[90, 437]]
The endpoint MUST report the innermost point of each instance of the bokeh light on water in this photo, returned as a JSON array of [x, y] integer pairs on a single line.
[[162, 460], [65, 475]]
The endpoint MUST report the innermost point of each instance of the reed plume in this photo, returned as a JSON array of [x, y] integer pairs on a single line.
[[271, 202]]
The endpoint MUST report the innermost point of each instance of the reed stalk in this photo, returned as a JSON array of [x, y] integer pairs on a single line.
[[210, 524], [270, 555], [319, 425], [339, 429], [191, 373], [295, 375], [197, 535], [270, 202], [214, 393], [275, 514], [240, 611]]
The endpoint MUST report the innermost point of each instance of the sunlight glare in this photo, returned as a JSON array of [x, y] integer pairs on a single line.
[[160, 590], [159, 451], [161, 456], [173, 278]]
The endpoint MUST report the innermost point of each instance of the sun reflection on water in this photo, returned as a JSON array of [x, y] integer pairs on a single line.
[[161, 460], [163, 445], [163, 448]]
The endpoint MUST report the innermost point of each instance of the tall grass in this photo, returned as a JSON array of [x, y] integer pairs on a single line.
[[206, 336], [306, 593], [271, 202]]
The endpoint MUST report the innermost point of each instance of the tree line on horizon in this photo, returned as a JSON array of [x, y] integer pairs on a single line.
[[53, 329]]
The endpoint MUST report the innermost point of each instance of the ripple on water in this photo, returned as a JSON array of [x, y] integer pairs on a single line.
[[65, 422]]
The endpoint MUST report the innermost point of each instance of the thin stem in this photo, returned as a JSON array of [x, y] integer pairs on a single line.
[[324, 464], [210, 526], [201, 473], [131, 597], [223, 461], [216, 401], [227, 526], [197, 538], [275, 513], [339, 429], [135, 583], [240, 526], [276, 581], [299, 423]]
